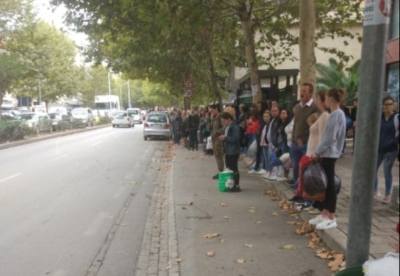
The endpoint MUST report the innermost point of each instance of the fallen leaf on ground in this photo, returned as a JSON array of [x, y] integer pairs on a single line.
[[178, 260], [257, 222], [337, 262], [305, 228], [212, 235], [289, 246], [240, 261], [268, 192], [184, 208], [252, 211], [292, 222], [210, 254], [223, 204], [275, 214], [168, 267], [248, 245], [226, 217]]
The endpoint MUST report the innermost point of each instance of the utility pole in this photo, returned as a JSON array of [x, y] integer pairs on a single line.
[[375, 35], [40, 93], [129, 95]]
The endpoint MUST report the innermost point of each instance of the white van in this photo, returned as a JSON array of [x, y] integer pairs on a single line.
[[135, 113]]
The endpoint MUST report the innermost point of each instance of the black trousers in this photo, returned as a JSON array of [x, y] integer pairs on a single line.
[[193, 142], [331, 197], [231, 162]]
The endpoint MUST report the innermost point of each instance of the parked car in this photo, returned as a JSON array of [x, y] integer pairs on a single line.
[[39, 122], [157, 125], [82, 115], [122, 118], [135, 113], [60, 120]]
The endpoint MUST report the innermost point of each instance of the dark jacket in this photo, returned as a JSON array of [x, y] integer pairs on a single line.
[[232, 140], [281, 130], [273, 127], [388, 141], [353, 114], [194, 121], [177, 122], [216, 127]]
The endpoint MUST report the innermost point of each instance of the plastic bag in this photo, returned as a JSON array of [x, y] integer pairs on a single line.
[[209, 143], [314, 182], [225, 180], [252, 152], [387, 266]]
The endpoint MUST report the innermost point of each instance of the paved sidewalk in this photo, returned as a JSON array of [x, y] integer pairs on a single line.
[[384, 238], [252, 236]]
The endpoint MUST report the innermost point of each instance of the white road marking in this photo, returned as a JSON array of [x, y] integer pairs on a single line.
[[9, 177], [61, 157], [97, 143], [96, 224]]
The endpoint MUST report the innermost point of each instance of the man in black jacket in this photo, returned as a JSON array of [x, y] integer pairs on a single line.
[[193, 123]]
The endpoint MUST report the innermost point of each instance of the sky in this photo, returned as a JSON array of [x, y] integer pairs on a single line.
[[55, 16]]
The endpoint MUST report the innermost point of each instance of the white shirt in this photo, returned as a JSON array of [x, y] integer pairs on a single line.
[[307, 104]]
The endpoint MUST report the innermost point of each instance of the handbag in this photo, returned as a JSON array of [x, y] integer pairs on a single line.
[[209, 143]]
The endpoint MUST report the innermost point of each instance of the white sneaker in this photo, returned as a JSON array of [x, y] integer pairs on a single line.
[[252, 171], [326, 224], [282, 179], [377, 195], [316, 220], [273, 178], [266, 175], [262, 171]]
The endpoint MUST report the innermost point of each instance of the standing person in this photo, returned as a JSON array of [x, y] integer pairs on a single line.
[[349, 123], [289, 135], [231, 140], [301, 131], [272, 137], [216, 128], [281, 146], [177, 123], [329, 149], [353, 116], [193, 125], [261, 107], [184, 128], [264, 144], [252, 126], [242, 118], [388, 146]]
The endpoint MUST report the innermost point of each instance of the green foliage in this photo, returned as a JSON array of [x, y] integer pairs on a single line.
[[333, 75], [12, 131]]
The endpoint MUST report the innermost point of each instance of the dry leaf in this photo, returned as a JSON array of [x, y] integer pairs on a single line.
[[252, 211], [223, 204], [248, 245], [226, 217], [336, 264], [210, 254], [210, 236], [168, 267], [257, 222], [240, 261], [289, 246], [178, 260], [184, 208], [275, 214], [292, 222], [268, 192]]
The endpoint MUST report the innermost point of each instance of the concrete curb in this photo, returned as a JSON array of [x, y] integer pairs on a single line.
[[334, 238], [47, 137]]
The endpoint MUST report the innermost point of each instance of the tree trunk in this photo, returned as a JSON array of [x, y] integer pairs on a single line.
[[213, 75], [250, 49], [307, 42]]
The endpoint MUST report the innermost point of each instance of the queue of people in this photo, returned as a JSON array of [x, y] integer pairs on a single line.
[[280, 140]]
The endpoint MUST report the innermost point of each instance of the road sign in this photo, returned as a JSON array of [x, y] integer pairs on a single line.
[[188, 93], [189, 85]]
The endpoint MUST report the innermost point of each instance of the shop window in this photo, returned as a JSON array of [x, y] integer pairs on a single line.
[[393, 81]]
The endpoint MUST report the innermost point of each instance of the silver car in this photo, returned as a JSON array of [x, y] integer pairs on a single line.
[[82, 116], [39, 122], [122, 118], [157, 125]]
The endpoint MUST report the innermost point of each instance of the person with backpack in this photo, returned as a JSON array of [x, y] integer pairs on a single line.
[[388, 146]]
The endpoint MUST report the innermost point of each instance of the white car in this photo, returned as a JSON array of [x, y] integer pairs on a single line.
[[136, 115], [122, 118], [82, 115], [39, 122]]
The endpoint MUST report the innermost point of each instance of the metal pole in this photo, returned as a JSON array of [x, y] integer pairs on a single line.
[[40, 93], [368, 122], [109, 83], [120, 92], [129, 95]]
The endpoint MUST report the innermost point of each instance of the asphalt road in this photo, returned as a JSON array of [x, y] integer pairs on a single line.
[[76, 205]]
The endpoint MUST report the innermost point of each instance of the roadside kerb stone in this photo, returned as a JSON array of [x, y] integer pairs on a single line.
[[159, 252], [48, 137], [336, 239]]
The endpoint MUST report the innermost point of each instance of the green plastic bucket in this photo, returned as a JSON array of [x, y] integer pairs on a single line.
[[354, 271], [223, 177]]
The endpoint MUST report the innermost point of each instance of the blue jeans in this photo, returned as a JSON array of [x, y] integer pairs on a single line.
[[296, 152], [388, 161], [266, 159]]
